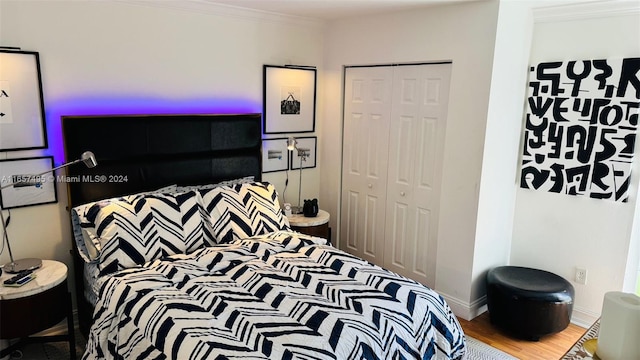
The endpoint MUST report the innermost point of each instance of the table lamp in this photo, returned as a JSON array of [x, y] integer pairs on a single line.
[[292, 144], [15, 266], [619, 327]]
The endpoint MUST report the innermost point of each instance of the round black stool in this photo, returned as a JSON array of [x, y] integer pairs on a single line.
[[528, 303]]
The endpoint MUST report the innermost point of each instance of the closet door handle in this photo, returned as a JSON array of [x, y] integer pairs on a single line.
[[402, 193], [369, 186]]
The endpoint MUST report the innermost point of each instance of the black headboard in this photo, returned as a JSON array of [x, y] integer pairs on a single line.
[[140, 153], [145, 152]]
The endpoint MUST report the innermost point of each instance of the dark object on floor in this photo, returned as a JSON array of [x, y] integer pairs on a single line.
[[528, 303]]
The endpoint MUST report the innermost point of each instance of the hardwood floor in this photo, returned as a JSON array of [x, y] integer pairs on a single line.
[[551, 347]]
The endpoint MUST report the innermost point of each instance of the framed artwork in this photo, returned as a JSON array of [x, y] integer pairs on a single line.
[[289, 99], [580, 127], [22, 120], [28, 189], [309, 145], [275, 156]]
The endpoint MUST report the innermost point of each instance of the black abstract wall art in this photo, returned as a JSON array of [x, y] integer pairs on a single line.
[[580, 127]]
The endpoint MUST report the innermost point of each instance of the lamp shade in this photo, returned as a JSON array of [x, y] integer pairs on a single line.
[[89, 159], [619, 327], [292, 144]]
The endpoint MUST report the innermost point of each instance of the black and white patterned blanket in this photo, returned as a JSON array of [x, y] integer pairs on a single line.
[[281, 295]]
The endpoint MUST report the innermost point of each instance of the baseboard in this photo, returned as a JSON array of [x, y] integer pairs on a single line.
[[583, 318], [464, 309]]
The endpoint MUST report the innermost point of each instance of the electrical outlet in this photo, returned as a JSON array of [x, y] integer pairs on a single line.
[[581, 276]]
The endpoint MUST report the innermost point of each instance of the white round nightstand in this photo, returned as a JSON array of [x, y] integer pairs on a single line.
[[50, 274], [314, 226], [36, 306]]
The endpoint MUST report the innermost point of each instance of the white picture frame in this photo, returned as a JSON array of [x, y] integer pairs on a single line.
[[310, 144], [275, 156], [27, 189], [22, 115]]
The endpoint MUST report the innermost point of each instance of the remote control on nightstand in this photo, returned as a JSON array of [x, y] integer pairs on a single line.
[[20, 278]]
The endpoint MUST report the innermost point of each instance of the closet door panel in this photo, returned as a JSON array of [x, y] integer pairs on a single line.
[[421, 261], [350, 228], [398, 256], [398, 190], [365, 161], [419, 105]]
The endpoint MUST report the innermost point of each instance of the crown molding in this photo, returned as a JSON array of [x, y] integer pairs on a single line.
[[580, 10], [208, 7]]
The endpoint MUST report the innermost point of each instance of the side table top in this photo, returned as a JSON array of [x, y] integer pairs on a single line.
[[50, 274], [301, 220]]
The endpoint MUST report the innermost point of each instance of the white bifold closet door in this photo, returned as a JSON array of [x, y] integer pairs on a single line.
[[367, 115], [394, 129]]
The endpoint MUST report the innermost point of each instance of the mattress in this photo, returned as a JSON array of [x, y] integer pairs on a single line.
[[92, 282]]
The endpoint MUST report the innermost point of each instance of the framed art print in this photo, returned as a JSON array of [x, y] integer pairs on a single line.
[[22, 120], [275, 156], [580, 128], [289, 99], [28, 189], [309, 145]]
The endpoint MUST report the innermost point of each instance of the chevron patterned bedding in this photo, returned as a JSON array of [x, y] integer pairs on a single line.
[[280, 295]]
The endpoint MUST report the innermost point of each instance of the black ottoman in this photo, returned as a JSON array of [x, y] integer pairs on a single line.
[[528, 303]]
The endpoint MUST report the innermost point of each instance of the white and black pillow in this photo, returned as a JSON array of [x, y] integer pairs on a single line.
[[243, 210], [133, 230], [82, 222]]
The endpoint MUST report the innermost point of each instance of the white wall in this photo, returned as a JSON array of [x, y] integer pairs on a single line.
[[559, 232], [118, 57], [501, 144], [465, 35]]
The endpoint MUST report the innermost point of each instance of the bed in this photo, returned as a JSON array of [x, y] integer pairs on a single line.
[[183, 252]]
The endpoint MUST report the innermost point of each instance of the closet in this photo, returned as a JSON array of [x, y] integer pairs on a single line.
[[394, 129]]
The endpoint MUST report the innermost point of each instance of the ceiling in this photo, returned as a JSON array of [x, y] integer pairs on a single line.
[[331, 9]]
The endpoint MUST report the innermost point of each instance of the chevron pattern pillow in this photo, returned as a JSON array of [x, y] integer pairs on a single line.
[[243, 210], [82, 226], [132, 230]]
